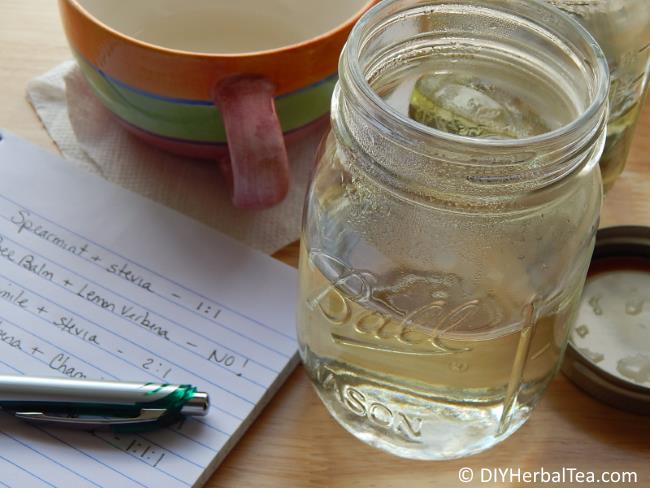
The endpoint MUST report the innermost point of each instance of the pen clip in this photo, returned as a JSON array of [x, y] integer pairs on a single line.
[[146, 416]]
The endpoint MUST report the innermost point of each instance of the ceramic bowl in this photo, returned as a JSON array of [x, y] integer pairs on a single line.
[[156, 65]]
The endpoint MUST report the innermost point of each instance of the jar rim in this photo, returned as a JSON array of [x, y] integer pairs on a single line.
[[374, 16]]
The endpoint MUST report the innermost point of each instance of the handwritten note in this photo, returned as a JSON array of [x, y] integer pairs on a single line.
[[97, 282]]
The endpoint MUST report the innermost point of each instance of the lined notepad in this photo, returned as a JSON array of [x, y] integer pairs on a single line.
[[99, 283]]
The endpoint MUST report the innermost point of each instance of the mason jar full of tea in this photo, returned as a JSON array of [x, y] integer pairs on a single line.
[[451, 220]]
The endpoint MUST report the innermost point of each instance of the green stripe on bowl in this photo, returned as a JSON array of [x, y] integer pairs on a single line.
[[197, 122]]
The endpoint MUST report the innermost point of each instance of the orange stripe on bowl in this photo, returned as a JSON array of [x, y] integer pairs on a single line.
[[192, 75]]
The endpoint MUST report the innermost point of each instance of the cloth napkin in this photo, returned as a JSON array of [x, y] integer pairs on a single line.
[[88, 136]]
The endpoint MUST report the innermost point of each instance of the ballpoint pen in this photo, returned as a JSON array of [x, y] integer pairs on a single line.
[[94, 405]]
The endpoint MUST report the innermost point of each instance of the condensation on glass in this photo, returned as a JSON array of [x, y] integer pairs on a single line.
[[622, 28], [440, 273]]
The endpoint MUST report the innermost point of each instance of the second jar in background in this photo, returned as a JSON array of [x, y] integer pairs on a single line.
[[622, 28]]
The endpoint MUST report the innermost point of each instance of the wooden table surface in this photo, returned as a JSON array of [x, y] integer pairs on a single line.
[[295, 442]]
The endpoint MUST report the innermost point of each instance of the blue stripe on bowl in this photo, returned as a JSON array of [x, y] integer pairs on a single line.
[[189, 101]]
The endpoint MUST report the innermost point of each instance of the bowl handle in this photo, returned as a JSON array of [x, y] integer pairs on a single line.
[[259, 165]]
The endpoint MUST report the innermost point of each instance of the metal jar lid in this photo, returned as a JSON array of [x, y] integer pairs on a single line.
[[609, 348]]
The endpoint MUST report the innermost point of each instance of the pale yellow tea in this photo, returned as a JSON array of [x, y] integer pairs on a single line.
[[408, 382], [450, 222], [471, 107]]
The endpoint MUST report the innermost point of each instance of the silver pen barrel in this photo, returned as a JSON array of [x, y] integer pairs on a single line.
[[25, 389]]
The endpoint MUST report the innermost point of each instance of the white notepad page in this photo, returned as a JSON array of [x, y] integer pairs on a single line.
[[101, 283]]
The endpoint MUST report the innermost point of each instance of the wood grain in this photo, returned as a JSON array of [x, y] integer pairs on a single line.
[[295, 443]]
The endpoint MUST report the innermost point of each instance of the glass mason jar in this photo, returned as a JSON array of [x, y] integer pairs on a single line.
[[439, 273], [622, 28]]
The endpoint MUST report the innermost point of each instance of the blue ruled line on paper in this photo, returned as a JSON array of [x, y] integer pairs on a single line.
[[86, 362], [85, 453], [210, 448], [167, 360], [102, 349], [144, 462], [202, 317], [194, 327], [2, 319], [171, 452], [11, 367], [26, 471], [210, 426], [153, 313], [205, 424], [225, 307], [93, 457], [13, 324], [50, 459]]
